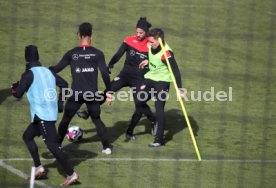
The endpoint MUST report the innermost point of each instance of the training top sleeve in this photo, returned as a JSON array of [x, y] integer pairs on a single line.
[[24, 84], [60, 82], [104, 71], [65, 61], [118, 55], [174, 67]]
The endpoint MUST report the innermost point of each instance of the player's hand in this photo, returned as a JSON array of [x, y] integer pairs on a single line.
[[148, 44], [180, 94], [14, 86], [60, 106], [109, 69], [143, 64], [108, 98]]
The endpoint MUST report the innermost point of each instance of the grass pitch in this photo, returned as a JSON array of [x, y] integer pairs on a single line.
[[218, 44]]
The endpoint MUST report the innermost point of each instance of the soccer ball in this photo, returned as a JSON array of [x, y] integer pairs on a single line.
[[74, 133]]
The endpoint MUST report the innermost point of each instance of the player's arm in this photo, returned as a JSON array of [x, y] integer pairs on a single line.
[[62, 84], [103, 70], [19, 88], [106, 78], [174, 67], [65, 61], [118, 55], [144, 64]]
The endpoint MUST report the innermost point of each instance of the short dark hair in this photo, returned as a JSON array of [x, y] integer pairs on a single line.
[[85, 29], [156, 33], [143, 24]]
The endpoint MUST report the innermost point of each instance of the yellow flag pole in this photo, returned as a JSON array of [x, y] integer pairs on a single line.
[[180, 100]]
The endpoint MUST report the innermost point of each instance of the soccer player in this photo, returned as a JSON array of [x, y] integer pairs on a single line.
[[157, 82], [40, 85], [136, 51], [84, 61]]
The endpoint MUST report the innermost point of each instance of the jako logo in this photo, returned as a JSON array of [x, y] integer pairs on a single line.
[[90, 69], [79, 70]]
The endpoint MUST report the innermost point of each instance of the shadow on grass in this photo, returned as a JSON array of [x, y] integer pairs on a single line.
[[175, 122], [73, 153], [113, 132], [4, 93]]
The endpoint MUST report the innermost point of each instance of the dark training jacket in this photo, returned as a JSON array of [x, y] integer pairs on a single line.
[[84, 62], [27, 79]]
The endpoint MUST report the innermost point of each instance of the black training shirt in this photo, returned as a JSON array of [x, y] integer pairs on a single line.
[[136, 51], [84, 62]]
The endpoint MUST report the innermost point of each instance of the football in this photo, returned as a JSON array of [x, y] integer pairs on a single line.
[[74, 133]]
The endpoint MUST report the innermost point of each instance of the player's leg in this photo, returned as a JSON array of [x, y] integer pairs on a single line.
[[71, 107], [116, 84], [148, 113], [119, 82], [28, 137], [135, 84], [94, 111], [145, 110], [162, 89], [50, 137], [134, 121], [141, 96]]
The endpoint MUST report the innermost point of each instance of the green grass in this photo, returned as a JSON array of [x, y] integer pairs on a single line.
[[217, 44]]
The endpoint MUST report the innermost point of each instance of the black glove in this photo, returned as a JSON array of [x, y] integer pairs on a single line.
[[60, 106], [109, 67], [14, 86]]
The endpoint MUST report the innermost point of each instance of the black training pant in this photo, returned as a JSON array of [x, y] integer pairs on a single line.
[[49, 134], [72, 106], [159, 90], [132, 77]]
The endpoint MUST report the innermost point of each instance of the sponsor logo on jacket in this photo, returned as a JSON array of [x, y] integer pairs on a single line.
[[86, 69]]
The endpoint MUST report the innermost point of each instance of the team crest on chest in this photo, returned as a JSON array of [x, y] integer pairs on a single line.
[[75, 56], [132, 53]]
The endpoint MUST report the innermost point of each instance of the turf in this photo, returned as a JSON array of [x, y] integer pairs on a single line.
[[218, 44]]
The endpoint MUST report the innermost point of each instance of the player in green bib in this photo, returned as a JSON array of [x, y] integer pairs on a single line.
[[157, 82]]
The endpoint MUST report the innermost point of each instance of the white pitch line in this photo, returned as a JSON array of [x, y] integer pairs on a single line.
[[184, 6], [179, 160], [156, 160], [21, 174]]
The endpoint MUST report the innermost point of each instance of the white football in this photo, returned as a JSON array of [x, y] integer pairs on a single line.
[[74, 133]]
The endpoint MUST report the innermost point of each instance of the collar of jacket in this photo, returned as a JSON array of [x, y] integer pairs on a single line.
[[156, 50], [33, 64]]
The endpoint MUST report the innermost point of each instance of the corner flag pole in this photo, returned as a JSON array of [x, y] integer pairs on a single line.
[[180, 100]]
